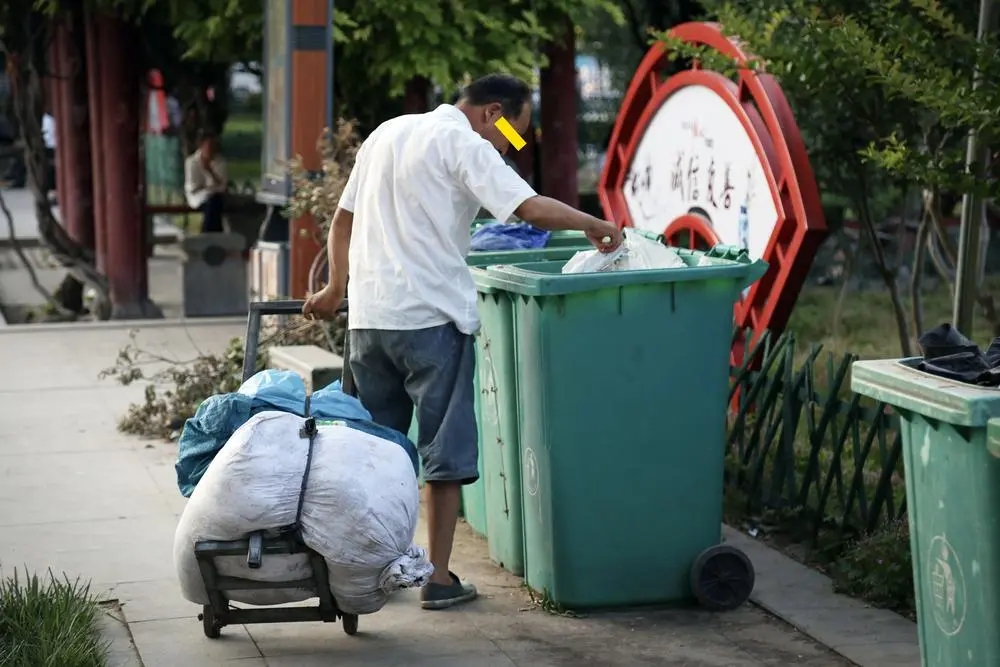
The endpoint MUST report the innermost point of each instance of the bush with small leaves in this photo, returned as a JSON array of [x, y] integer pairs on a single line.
[[879, 570]]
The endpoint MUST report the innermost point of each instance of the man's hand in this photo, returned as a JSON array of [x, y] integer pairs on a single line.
[[323, 305], [604, 235], [216, 179]]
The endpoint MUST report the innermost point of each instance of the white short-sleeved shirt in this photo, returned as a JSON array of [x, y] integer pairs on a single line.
[[199, 184], [417, 184]]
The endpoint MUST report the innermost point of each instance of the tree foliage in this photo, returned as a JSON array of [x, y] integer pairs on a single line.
[[924, 55], [885, 98]]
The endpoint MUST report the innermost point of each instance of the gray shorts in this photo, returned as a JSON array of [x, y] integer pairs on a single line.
[[429, 369]]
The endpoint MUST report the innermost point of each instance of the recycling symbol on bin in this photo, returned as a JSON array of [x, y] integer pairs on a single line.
[[530, 472], [947, 586]]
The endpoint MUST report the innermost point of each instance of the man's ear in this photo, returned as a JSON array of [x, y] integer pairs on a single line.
[[493, 113]]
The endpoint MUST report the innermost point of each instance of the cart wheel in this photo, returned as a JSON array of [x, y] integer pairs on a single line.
[[350, 623], [722, 578], [212, 628]]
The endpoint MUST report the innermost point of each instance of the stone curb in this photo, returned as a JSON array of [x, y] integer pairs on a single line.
[[161, 238], [122, 324], [804, 598], [122, 651]]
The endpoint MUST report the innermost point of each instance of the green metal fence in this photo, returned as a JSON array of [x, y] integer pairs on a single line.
[[800, 441]]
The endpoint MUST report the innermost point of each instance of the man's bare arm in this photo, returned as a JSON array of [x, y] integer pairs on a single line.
[[338, 243], [553, 215]]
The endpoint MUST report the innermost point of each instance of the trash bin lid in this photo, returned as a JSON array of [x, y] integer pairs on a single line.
[[546, 278], [484, 284], [898, 382]]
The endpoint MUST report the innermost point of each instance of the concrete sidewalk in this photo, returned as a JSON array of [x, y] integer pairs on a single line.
[[21, 203], [79, 497]]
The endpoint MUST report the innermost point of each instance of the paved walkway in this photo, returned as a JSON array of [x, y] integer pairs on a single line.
[[21, 203], [79, 497], [17, 293]]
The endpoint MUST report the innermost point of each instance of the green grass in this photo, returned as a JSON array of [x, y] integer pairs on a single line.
[[242, 139], [48, 622], [242, 172], [244, 123], [867, 327]]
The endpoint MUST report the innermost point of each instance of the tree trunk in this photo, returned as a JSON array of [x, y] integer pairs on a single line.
[[525, 158], [127, 270], [888, 277], [851, 252], [72, 120], [919, 257], [558, 110], [26, 50], [415, 97]]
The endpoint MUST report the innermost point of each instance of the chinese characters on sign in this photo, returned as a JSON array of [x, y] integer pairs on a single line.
[[697, 157]]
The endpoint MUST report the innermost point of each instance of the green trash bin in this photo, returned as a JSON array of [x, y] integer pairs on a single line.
[[622, 383], [951, 445], [562, 246], [498, 427], [477, 498]]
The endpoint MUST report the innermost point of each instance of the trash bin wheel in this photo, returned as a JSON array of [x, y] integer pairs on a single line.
[[350, 623], [211, 626], [722, 578]]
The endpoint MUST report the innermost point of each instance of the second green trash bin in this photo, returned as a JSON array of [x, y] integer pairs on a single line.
[[622, 388], [561, 246], [951, 445]]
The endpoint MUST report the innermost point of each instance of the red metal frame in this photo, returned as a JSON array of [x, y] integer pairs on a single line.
[[760, 105], [696, 227]]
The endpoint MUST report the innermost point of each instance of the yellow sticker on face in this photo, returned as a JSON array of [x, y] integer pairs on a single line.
[[508, 131]]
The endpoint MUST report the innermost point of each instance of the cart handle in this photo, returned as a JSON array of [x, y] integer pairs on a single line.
[[287, 307]]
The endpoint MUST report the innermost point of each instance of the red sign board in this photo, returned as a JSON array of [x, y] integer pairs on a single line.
[[705, 159]]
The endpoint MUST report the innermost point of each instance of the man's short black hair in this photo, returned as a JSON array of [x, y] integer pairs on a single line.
[[509, 91]]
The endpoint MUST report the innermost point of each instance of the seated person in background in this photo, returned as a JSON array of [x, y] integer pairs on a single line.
[[205, 182]]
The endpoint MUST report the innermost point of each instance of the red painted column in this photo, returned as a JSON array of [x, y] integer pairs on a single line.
[[126, 267], [558, 112], [55, 104], [308, 117], [72, 128], [94, 96]]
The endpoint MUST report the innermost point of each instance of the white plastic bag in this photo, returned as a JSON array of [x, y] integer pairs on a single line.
[[360, 512], [635, 253]]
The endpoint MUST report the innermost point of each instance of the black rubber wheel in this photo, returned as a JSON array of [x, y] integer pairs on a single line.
[[212, 628], [722, 578], [350, 623]]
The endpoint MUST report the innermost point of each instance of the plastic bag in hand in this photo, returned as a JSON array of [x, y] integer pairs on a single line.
[[635, 253]]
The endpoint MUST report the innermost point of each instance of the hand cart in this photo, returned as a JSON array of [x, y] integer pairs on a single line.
[[257, 545]]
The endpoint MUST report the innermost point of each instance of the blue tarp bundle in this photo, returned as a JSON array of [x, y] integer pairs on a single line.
[[504, 236], [218, 417]]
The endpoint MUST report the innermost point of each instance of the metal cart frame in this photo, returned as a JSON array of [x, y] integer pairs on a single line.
[[257, 545]]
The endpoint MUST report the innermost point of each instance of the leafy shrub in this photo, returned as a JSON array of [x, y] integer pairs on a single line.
[[879, 570], [318, 194]]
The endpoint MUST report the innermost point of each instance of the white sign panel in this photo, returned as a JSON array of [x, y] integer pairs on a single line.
[[696, 157]]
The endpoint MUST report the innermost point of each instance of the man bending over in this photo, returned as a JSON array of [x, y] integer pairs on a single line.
[[403, 228]]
